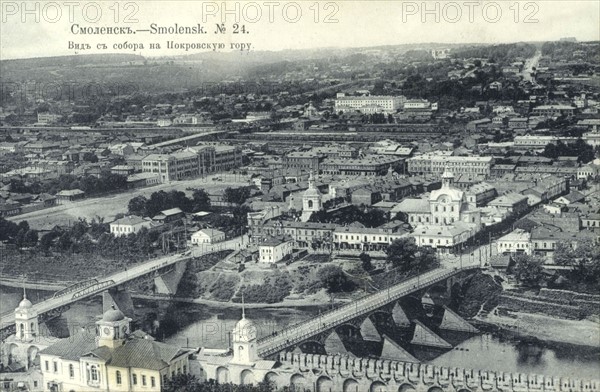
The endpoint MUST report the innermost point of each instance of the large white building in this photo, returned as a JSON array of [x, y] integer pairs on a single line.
[[172, 167], [273, 250], [207, 236], [451, 219], [369, 103], [553, 110], [419, 104], [113, 359], [192, 162], [436, 164], [539, 141], [363, 238], [517, 241], [128, 225], [592, 138]]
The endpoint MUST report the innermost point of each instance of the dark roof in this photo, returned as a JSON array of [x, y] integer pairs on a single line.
[[139, 353], [72, 348]]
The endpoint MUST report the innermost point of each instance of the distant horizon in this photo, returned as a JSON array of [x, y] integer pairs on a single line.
[[54, 30]]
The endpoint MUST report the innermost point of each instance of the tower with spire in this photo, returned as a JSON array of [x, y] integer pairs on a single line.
[[447, 178], [244, 340], [311, 199], [26, 319]]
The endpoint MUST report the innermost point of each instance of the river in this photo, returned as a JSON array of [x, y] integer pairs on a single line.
[[192, 325]]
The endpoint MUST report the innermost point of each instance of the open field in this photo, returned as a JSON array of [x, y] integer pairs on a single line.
[[108, 206]]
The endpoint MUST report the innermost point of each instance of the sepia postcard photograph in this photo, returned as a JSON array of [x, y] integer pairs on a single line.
[[300, 196]]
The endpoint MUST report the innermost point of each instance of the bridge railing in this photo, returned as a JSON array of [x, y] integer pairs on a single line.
[[75, 287], [295, 333]]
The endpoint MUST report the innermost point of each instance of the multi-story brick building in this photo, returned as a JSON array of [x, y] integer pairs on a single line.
[[172, 167], [436, 164], [372, 165], [304, 161]]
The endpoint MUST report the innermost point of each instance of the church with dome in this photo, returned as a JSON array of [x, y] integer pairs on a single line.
[[446, 219], [110, 357]]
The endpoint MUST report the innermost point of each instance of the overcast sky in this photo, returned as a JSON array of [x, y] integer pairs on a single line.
[[353, 24]]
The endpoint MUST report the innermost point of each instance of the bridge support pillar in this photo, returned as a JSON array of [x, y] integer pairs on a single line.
[[167, 283], [121, 298]]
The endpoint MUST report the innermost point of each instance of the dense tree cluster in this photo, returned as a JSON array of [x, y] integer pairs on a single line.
[[368, 216], [233, 223], [584, 259], [335, 280], [91, 185], [365, 260], [12, 160], [94, 238], [19, 234], [528, 270], [377, 118], [236, 195], [566, 50], [406, 256], [161, 200], [274, 289], [503, 53], [580, 149]]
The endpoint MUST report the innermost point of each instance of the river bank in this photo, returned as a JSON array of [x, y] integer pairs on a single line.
[[546, 328], [288, 303]]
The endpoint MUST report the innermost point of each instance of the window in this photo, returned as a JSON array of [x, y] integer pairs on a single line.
[[71, 371], [94, 373], [134, 379], [55, 367], [152, 382], [118, 377], [46, 365], [143, 380]]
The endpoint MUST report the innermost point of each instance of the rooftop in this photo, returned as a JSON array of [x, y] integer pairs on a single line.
[[129, 220], [516, 235]]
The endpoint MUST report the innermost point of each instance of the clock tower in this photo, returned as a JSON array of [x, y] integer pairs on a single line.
[[112, 329]]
